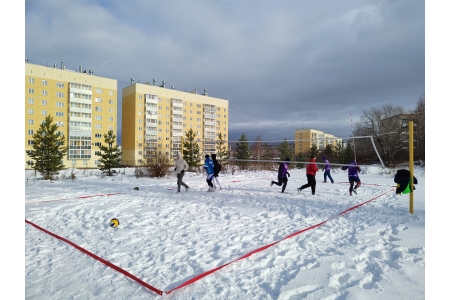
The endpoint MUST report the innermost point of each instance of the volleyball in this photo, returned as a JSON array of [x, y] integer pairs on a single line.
[[114, 223]]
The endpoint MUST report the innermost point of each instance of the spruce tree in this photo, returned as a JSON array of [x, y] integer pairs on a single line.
[[222, 152], [285, 150], [110, 155], [313, 151], [191, 149], [48, 149], [242, 151]]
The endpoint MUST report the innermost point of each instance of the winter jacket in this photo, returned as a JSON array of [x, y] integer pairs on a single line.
[[209, 166], [283, 170], [216, 167], [403, 180], [353, 169], [327, 165], [180, 164], [311, 167]]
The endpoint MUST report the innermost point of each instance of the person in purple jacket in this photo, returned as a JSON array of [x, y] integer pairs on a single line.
[[327, 170], [353, 170], [282, 172]]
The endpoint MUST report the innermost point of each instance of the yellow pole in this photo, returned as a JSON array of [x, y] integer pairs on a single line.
[[411, 166]]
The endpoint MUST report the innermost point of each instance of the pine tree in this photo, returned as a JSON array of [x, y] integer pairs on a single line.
[[191, 150], [110, 155], [242, 151], [299, 157], [313, 151], [223, 153], [285, 150], [48, 149]]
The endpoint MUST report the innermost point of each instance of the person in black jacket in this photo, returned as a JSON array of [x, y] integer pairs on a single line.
[[403, 180], [217, 169]]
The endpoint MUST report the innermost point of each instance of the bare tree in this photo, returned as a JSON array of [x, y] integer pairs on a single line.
[[385, 125]]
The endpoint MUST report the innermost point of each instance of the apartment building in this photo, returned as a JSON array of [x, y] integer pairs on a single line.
[[305, 138], [83, 105], [156, 118]]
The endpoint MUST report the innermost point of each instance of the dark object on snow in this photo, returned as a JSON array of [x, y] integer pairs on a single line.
[[403, 181], [136, 189]]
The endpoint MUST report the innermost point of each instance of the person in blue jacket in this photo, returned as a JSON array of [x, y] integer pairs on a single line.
[[209, 168]]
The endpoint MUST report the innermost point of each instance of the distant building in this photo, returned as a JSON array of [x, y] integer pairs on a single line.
[[84, 107], [305, 138], [156, 118]]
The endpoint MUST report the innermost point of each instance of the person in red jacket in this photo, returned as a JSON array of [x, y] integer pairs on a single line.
[[311, 169]]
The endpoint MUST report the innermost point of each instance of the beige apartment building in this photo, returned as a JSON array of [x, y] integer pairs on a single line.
[[305, 138], [156, 119], [83, 105]]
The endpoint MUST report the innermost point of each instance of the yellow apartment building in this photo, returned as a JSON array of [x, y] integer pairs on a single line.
[[305, 138], [156, 118], [83, 105]]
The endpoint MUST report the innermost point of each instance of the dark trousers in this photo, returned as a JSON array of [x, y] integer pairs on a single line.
[[281, 181], [180, 181], [311, 183], [327, 174]]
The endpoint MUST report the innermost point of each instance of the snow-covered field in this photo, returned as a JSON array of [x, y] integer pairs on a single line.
[[375, 251]]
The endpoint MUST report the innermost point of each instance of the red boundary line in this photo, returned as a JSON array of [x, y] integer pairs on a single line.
[[78, 197], [118, 269], [196, 278]]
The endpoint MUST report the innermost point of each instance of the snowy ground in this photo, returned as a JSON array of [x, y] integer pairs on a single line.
[[375, 251]]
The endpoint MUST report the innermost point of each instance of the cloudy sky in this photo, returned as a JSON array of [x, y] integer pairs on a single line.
[[283, 65]]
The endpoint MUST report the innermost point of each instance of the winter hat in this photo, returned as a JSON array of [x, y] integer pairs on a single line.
[[324, 158], [206, 156]]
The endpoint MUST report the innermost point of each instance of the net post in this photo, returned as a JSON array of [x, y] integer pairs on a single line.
[[411, 166]]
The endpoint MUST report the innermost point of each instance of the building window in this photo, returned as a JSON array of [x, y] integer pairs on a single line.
[[98, 100], [160, 107], [167, 123], [199, 112], [199, 105], [98, 108], [59, 114], [159, 130], [140, 128], [30, 121], [97, 144], [110, 128], [30, 131], [140, 120], [111, 93], [31, 111], [198, 119], [44, 102], [60, 84], [30, 142], [140, 137], [98, 126], [30, 80], [98, 91], [43, 112], [160, 122], [110, 119], [44, 82], [140, 97], [59, 104], [111, 101], [98, 153], [44, 93], [30, 91], [30, 101], [59, 94], [224, 116], [110, 110], [98, 135]]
